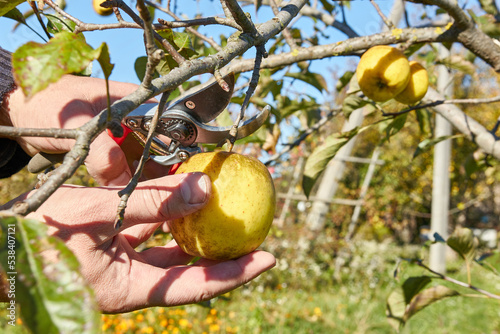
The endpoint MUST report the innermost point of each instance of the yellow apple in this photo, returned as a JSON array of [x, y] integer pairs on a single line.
[[101, 10], [239, 213], [383, 72], [417, 86]]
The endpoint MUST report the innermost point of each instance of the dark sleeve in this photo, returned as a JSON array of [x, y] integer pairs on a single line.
[[12, 156], [6, 77]]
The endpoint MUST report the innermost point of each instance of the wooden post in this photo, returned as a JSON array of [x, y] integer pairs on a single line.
[[441, 173]]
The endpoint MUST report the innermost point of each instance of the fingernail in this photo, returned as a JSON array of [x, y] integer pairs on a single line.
[[195, 188]]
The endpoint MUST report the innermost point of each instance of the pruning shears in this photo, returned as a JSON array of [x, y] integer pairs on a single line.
[[184, 121]]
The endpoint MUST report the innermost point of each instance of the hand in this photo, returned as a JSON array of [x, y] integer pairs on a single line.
[[126, 280], [70, 103]]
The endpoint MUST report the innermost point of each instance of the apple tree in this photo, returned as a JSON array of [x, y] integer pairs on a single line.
[[297, 56]]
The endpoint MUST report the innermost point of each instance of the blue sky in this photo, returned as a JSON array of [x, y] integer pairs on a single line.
[[126, 44]]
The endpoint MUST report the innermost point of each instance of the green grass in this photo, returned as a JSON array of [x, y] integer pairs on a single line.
[[305, 293], [296, 297]]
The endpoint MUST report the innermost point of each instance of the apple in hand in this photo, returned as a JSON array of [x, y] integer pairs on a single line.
[[417, 86], [239, 213], [383, 72]]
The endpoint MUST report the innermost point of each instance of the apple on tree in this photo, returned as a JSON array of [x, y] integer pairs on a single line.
[[101, 10], [417, 86], [383, 72]]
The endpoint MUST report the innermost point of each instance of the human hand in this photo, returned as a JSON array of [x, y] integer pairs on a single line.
[[70, 103], [124, 279]]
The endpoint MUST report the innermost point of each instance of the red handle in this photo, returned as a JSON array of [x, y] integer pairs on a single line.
[[120, 140]]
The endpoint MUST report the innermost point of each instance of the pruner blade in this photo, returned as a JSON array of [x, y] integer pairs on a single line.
[[207, 101], [208, 134]]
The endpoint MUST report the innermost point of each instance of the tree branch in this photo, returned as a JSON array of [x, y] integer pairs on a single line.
[[472, 129]]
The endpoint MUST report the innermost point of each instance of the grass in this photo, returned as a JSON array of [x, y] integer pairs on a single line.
[[295, 299], [305, 293]]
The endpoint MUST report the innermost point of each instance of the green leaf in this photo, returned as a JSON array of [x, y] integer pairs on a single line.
[[424, 120], [344, 80], [38, 65], [458, 63], [59, 24], [353, 102], [314, 79], [52, 294], [140, 67], [287, 107], [426, 144], [181, 41], [16, 15], [395, 309], [7, 5], [489, 6], [393, 126], [413, 285], [319, 159], [490, 261], [463, 242], [104, 60]]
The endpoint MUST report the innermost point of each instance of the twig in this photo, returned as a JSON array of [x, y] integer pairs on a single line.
[[129, 189], [241, 18], [220, 80], [72, 160], [166, 44], [457, 282], [75, 157], [61, 12], [261, 52], [448, 101], [39, 18], [387, 22], [10, 131], [155, 55], [332, 113], [286, 32]]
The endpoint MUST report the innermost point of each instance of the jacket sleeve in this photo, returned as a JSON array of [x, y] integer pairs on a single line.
[[12, 156], [6, 77]]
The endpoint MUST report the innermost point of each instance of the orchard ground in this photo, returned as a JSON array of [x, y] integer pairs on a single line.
[[304, 293]]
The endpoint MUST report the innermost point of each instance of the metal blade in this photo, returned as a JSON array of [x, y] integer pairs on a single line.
[[207, 134], [205, 102]]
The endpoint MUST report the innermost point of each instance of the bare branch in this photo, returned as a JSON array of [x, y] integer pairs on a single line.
[[315, 127], [251, 89], [286, 32], [472, 129], [241, 18], [129, 189], [10, 131], [387, 22], [456, 282], [155, 55]]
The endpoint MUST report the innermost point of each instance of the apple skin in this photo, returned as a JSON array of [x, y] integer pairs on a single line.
[[239, 213], [101, 10], [383, 72], [417, 86]]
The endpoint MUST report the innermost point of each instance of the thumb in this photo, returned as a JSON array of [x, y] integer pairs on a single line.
[[107, 163]]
